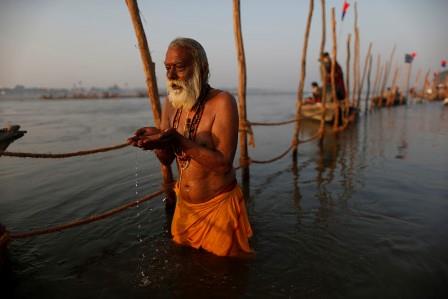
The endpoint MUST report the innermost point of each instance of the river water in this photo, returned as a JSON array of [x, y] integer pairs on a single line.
[[363, 216]]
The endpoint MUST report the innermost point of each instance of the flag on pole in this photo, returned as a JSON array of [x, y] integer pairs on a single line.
[[408, 58], [345, 7], [443, 63]]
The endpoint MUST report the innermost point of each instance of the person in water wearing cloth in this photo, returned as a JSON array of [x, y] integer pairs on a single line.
[[199, 128]]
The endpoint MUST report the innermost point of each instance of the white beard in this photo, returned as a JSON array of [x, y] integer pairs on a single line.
[[188, 93]]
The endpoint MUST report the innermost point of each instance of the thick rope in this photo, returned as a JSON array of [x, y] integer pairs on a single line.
[[66, 155], [280, 123], [82, 221], [315, 136], [275, 158], [246, 127]]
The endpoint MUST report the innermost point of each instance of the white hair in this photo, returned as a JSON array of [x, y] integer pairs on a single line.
[[188, 93], [200, 60]]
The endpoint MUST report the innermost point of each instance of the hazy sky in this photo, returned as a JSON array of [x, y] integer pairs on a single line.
[[59, 43]]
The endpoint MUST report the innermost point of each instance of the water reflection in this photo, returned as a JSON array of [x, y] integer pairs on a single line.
[[335, 166]]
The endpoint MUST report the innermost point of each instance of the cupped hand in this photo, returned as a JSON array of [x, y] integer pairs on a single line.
[[145, 131], [150, 138]]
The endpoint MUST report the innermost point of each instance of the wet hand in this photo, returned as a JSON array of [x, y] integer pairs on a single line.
[[150, 138]]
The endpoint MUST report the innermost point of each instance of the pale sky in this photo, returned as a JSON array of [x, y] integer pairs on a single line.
[[59, 43]]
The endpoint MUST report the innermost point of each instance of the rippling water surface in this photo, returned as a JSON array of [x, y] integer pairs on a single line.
[[363, 216]]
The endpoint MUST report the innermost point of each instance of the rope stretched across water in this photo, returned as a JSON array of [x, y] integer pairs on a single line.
[[315, 136], [250, 161], [275, 158], [279, 123], [82, 221], [65, 155]]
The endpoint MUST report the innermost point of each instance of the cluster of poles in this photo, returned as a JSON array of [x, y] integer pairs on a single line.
[[350, 103], [353, 101]]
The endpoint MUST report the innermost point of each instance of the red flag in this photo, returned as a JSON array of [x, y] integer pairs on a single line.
[[413, 54], [443, 63], [345, 7]]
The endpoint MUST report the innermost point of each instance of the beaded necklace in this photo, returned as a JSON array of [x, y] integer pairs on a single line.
[[191, 126]]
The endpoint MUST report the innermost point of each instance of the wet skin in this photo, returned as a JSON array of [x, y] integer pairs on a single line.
[[213, 150]]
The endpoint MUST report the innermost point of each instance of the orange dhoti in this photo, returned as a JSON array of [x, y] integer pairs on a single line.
[[219, 225]]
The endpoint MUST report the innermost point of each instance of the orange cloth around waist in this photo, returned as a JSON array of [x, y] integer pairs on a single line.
[[219, 225]]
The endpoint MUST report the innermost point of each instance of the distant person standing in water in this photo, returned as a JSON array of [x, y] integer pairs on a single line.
[[199, 129], [338, 78]]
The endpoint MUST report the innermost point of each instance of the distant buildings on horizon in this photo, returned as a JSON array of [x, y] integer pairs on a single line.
[[76, 92], [114, 91]]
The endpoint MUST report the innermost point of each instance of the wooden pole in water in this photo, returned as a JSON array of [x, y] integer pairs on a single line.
[[368, 84], [151, 86], [417, 77], [347, 76], [244, 156], [323, 72], [377, 78], [425, 82], [302, 82], [364, 73], [394, 86], [387, 70], [324, 27], [333, 69], [408, 79], [396, 76], [356, 58]]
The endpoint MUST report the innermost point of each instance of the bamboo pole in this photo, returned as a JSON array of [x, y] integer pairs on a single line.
[[151, 86], [333, 69], [356, 57], [368, 84], [244, 156], [377, 78], [302, 82], [391, 99], [378, 92], [324, 27], [323, 72], [396, 76], [417, 77], [408, 79], [388, 67], [435, 80], [364, 73], [347, 76], [425, 82]]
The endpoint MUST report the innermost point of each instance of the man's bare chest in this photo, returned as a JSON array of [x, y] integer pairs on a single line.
[[198, 130]]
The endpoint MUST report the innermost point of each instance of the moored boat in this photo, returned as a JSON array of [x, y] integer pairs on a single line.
[[314, 111]]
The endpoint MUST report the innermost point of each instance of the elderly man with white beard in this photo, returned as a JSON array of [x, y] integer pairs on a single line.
[[199, 129]]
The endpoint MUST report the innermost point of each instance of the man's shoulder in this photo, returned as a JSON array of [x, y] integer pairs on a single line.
[[222, 97]]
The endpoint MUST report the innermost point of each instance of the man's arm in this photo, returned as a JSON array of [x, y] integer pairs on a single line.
[[224, 135], [165, 154]]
